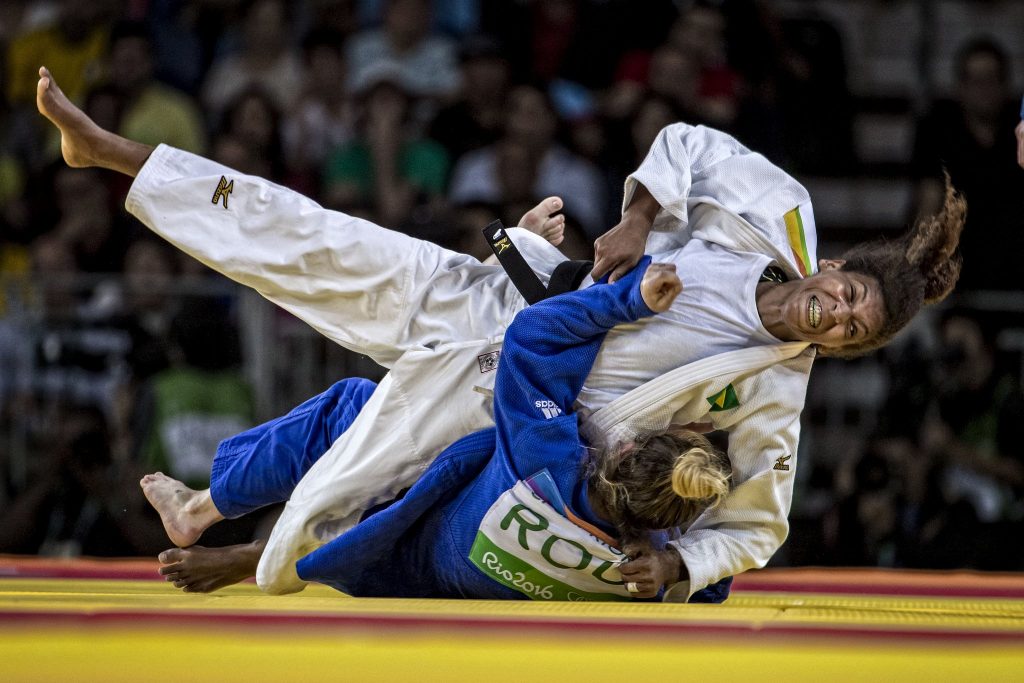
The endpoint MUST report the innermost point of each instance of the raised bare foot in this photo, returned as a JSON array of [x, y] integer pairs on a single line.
[[79, 135], [185, 513], [540, 220], [203, 570]]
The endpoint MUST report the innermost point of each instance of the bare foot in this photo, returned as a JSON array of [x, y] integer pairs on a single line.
[[203, 570], [540, 220], [79, 135], [185, 513], [82, 142]]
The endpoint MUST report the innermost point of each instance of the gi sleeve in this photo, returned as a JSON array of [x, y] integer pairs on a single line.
[[548, 352], [749, 526], [688, 164]]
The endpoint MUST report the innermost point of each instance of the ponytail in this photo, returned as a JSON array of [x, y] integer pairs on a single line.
[[697, 475], [665, 481]]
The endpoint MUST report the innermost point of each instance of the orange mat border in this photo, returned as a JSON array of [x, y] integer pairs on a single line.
[[841, 581]]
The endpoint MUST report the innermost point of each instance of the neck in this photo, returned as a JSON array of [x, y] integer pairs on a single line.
[[770, 298]]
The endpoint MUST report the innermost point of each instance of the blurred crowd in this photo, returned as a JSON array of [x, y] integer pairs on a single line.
[[120, 355]]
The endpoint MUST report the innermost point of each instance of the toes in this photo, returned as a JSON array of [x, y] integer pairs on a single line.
[[171, 568], [170, 555], [540, 213], [554, 225]]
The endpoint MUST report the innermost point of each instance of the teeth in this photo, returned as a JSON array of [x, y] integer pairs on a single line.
[[814, 312]]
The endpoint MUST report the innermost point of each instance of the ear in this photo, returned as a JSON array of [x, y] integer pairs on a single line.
[[830, 264]]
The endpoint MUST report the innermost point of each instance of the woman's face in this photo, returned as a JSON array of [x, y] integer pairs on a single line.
[[834, 308]]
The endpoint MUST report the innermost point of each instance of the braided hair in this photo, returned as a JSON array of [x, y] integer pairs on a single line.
[[917, 269]]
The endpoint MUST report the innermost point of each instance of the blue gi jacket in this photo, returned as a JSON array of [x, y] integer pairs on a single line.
[[419, 546]]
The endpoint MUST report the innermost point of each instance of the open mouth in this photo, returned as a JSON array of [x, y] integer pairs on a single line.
[[813, 312]]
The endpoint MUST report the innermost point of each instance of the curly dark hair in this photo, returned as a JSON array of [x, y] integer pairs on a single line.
[[919, 268]]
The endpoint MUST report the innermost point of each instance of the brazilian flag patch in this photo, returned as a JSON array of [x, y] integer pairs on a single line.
[[724, 399]]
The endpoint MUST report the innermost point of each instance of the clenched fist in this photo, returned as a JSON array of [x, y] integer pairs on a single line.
[[660, 286]]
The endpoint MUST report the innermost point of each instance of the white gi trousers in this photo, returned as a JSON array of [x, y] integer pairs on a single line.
[[430, 315]]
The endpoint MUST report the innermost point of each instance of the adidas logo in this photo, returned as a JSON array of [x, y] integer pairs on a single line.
[[549, 408]]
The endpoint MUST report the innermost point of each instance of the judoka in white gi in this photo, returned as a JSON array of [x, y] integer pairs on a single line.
[[733, 352]]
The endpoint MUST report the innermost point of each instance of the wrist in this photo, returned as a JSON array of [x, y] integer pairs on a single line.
[[637, 222], [675, 569], [643, 207]]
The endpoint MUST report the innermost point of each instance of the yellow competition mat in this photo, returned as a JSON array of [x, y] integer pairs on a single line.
[[115, 621]]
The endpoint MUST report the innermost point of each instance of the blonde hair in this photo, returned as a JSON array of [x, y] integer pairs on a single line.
[[665, 481]]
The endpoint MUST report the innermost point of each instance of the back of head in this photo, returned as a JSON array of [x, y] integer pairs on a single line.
[[918, 269], [664, 482]]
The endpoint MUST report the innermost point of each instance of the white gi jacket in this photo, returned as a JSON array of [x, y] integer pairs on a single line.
[[435, 318]]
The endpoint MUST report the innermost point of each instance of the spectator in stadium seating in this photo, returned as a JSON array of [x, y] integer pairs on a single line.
[[85, 220], [76, 501], [74, 43], [150, 110], [266, 59], [475, 119], [199, 400], [977, 422], [387, 170], [75, 36], [250, 132], [425, 63], [699, 33], [179, 52], [529, 144], [971, 138], [323, 117], [863, 527]]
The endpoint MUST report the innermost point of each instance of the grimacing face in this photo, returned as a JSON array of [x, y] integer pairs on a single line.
[[834, 308]]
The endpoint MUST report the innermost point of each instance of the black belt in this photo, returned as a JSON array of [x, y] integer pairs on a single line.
[[566, 277]]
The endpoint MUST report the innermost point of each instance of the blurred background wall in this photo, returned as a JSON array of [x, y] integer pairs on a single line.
[[119, 355]]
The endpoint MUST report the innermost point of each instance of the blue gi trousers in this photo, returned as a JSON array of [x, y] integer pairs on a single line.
[[261, 466]]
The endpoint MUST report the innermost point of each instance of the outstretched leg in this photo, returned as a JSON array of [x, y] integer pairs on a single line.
[[185, 513], [82, 142], [203, 570]]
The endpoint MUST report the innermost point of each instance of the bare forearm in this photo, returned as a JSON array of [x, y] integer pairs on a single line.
[[643, 208], [619, 249]]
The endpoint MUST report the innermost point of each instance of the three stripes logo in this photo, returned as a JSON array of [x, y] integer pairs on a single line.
[[549, 408]]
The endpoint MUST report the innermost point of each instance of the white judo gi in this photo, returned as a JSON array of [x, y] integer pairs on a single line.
[[435, 319]]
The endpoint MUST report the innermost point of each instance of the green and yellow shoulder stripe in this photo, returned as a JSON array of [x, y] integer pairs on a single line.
[[798, 239]]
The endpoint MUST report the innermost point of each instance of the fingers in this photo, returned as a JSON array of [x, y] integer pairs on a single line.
[[621, 271], [618, 265], [602, 264], [643, 571]]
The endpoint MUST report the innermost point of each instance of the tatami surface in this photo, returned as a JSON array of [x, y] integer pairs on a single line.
[[112, 621]]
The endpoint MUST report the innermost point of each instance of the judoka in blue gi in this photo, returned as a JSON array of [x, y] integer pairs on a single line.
[[519, 510]]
